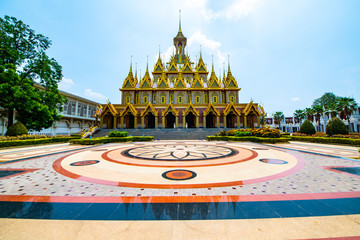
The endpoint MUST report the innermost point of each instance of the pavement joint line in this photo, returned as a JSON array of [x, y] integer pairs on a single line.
[[44, 155], [315, 153]]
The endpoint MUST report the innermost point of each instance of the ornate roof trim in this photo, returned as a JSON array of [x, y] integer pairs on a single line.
[[191, 108], [170, 108], [109, 107], [230, 106], [180, 79], [148, 108], [197, 79], [249, 107], [128, 107], [208, 110]]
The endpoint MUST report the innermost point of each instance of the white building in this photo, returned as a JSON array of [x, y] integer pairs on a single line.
[[78, 113], [290, 124]]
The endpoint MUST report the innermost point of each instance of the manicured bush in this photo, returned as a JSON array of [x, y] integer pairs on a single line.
[[307, 128], [336, 126], [16, 129], [266, 132], [347, 141], [247, 139], [12, 143], [118, 134], [242, 134], [102, 140]]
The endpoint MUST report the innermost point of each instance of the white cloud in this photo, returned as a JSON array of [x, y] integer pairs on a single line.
[[235, 11], [295, 99], [94, 95], [66, 83], [210, 46]]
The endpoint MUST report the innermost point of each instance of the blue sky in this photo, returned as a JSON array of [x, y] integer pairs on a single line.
[[283, 53]]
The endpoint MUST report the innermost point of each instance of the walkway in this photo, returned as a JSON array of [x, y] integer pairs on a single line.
[[200, 190]]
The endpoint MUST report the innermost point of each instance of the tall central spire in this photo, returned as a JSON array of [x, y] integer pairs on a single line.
[[179, 20]]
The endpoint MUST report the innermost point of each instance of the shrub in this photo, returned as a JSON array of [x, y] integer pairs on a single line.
[[34, 141], [348, 141], [307, 127], [242, 134], [336, 126], [16, 129], [118, 134], [247, 139], [266, 132], [102, 140]]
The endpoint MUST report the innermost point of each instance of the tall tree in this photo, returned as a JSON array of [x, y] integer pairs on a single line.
[[23, 64], [299, 115], [278, 117], [346, 106], [309, 113], [318, 110]]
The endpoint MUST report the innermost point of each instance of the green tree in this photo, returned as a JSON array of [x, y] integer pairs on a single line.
[[309, 113], [318, 110], [307, 127], [23, 64], [278, 117], [328, 101], [346, 106], [299, 115]]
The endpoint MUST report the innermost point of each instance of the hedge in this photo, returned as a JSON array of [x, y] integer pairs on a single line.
[[347, 141], [247, 139], [35, 141], [103, 140]]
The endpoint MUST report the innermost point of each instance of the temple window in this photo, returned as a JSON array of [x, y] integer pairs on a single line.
[[222, 98], [154, 98], [162, 99], [197, 99], [206, 98], [171, 98], [137, 98], [145, 99], [128, 99], [180, 100], [232, 98], [214, 99]]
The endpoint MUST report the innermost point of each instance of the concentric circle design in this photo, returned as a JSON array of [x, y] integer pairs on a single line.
[[179, 152], [273, 161], [84, 163], [179, 174]]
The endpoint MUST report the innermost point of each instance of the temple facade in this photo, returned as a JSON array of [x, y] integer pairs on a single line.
[[180, 94]]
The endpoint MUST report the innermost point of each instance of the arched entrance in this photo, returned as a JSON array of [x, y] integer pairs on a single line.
[[109, 121], [251, 120], [149, 120], [170, 120], [129, 120], [190, 120], [210, 120], [230, 120]]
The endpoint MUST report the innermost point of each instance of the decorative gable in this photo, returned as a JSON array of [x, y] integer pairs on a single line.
[[180, 81]]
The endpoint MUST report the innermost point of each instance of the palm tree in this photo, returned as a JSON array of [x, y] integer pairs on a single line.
[[331, 110], [318, 111], [309, 113], [347, 106], [278, 117], [299, 115]]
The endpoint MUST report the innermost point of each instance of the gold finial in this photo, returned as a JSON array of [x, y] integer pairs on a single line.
[[229, 63], [200, 52], [179, 20], [212, 56], [147, 62], [131, 63]]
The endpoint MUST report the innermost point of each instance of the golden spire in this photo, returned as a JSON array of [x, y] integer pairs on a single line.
[[179, 20], [212, 56], [229, 63]]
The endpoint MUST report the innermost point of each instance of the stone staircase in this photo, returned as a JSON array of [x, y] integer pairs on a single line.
[[167, 134]]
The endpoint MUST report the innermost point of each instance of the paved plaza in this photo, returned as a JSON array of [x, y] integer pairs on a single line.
[[180, 190]]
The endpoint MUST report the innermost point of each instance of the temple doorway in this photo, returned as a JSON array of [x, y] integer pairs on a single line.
[[109, 121], [230, 120], [210, 120], [129, 120], [149, 120], [170, 120], [251, 120], [190, 120]]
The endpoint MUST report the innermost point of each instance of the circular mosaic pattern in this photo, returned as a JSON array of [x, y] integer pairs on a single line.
[[273, 161], [179, 152], [179, 174], [84, 163]]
